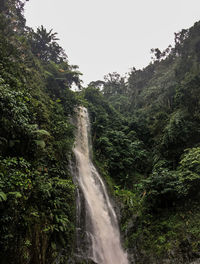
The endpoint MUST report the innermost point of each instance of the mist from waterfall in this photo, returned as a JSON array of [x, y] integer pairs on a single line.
[[101, 223]]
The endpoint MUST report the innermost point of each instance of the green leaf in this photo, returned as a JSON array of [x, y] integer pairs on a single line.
[[40, 143], [3, 197], [42, 133], [16, 194]]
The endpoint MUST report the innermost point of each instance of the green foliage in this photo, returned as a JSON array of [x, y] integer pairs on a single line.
[[146, 134], [3, 197], [13, 109], [44, 45], [30, 197], [141, 126], [115, 145], [163, 188], [190, 171], [15, 175], [36, 138]]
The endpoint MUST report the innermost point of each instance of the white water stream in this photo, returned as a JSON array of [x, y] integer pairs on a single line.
[[102, 221]]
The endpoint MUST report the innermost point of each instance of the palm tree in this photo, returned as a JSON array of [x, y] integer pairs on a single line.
[[44, 45]]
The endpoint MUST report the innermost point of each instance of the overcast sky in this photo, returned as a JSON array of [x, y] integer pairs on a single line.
[[102, 36]]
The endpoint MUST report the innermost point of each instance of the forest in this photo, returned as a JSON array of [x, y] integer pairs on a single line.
[[146, 144]]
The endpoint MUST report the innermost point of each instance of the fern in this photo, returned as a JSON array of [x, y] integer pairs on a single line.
[[3, 197]]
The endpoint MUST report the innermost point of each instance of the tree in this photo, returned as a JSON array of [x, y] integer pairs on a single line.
[[11, 15], [157, 53], [114, 84], [44, 45]]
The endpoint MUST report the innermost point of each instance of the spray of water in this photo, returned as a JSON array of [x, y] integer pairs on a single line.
[[102, 224]]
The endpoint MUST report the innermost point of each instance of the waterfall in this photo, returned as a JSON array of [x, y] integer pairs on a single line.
[[101, 225]]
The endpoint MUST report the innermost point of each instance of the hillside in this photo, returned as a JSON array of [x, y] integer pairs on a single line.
[[146, 138], [37, 195], [146, 144]]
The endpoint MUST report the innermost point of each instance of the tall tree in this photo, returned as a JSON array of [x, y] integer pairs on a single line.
[[44, 45]]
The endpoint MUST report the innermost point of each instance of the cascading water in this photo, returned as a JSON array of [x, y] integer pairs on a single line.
[[101, 223]]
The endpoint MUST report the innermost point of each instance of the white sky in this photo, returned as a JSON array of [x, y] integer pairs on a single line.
[[102, 36]]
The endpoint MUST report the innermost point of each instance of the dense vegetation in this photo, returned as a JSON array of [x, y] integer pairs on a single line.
[[37, 200], [145, 134]]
